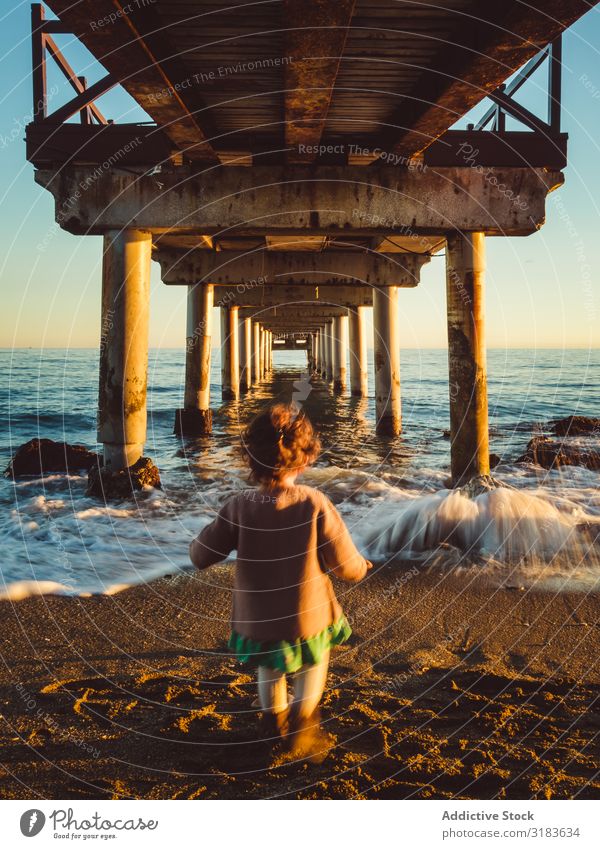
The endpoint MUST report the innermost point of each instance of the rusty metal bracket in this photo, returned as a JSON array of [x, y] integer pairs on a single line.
[[505, 104], [42, 44]]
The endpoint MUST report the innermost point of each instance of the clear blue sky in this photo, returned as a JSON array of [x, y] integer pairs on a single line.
[[543, 290]]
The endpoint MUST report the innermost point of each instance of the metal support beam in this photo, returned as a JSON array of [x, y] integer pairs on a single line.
[[315, 33]]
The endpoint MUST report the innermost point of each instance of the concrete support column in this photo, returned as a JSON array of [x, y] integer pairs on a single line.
[[124, 347], [261, 352], [386, 344], [328, 365], [465, 293], [245, 354], [195, 418], [318, 351], [230, 353], [269, 350], [359, 376], [340, 342], [255, 352]]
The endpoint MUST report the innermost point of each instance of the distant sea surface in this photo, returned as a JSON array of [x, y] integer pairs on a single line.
[[52, 532]]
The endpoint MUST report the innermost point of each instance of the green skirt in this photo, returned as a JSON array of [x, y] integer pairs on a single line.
[[289, 656]]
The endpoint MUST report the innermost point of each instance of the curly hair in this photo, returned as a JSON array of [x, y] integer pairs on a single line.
[[278, 441]]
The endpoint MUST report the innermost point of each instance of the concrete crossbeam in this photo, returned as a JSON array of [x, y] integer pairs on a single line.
[[327, 200], [292, 312], [329, 267], [261, 295]]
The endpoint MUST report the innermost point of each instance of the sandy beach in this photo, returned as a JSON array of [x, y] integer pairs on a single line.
[[451, 687]]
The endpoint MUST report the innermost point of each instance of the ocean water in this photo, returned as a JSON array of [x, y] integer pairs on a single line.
[[390, 491]]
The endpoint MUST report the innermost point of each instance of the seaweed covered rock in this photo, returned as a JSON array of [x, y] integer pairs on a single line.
[[554, 453], [108, 484], [39, 456], [576, 426]]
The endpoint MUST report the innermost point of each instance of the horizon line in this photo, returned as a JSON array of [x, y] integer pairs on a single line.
[[217, 347]]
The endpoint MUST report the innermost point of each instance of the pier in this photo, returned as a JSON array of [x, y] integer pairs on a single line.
[[297, 180]]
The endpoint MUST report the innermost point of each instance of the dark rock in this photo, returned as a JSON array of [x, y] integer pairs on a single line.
[[495, 460], [481, 484], [576, 426], [193, 422], [39, 456], [109, 484], [554, 453]]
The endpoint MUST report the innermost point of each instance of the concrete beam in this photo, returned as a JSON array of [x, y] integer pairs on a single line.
[[347, 199], [292, 312], [301, 327], [302, 296], [298, 268]]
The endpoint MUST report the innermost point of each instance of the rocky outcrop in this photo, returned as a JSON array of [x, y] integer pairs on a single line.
[[40, 456], [481, 484], [576, 426], [108, 484], [554, 453]]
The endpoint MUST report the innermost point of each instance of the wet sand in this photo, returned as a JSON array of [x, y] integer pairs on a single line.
[[450, 687]]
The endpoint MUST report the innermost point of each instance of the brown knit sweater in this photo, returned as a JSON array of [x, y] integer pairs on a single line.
[[287, 541]]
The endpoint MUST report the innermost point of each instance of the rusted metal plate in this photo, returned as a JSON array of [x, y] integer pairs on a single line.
[[315, 35]]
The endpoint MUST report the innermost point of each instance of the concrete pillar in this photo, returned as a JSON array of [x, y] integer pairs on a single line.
[[340, 342], [245, 354], [465, 278], [331, 350], [327, 364], [318, 351], [386, 344], [359, 376], [195, 418], [124, 347], [256, 352], [261, 352], [230, 353], [269, 351]]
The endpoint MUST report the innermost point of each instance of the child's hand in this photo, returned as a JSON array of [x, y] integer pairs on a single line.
[[369, 565]]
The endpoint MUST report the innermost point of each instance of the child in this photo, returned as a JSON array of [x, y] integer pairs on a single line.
[[288, 538]]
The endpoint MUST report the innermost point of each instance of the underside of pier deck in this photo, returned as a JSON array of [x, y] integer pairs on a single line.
[[299, 172]]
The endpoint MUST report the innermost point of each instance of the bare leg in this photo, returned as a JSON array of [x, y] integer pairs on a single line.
[[272, 690], [309, 683]]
